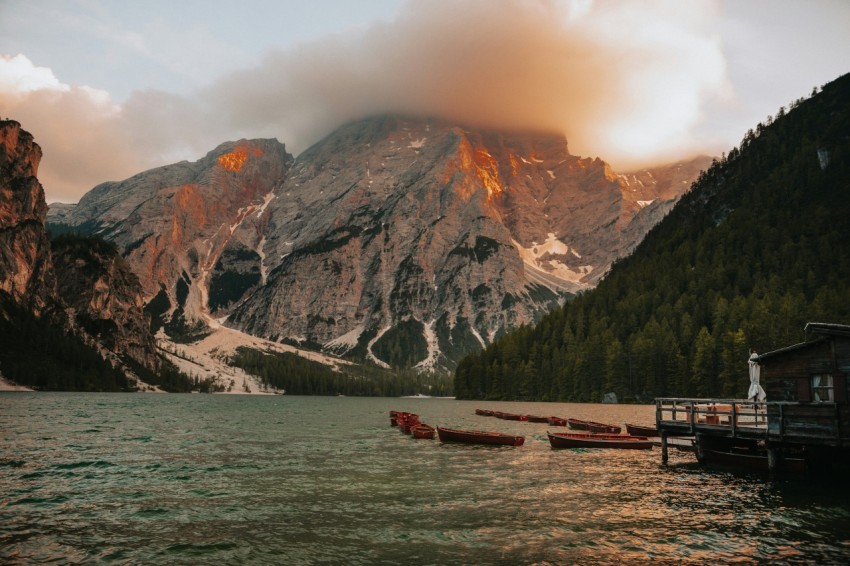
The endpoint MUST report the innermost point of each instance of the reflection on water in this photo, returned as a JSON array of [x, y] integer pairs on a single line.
[[305, 480]]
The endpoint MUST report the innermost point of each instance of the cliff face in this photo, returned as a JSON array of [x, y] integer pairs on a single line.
[[104, 296], [97, 294], [172, 223], [413, 242], [25, 272]]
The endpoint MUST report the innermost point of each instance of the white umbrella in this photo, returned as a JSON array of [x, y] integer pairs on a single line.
[[756, 393]]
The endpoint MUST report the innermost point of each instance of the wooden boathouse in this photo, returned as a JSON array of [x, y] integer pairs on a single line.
[[802, 424]]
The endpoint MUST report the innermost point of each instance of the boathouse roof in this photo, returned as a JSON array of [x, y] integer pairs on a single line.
[[819, 330]]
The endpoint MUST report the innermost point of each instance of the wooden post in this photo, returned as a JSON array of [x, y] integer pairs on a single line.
[[664, 447], [698, 448], [772, 461]]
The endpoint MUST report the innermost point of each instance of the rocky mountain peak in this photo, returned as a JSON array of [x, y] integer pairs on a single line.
[[172, 223], [410, 241]]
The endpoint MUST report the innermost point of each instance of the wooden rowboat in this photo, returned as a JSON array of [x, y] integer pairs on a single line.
[[557, 421], [509, 416], [423, 430], [394, 418], [536, 419], [641, 430], [577, 440], [591, 426], [605, 428], [407, 421], [478, 437], [484, 412]]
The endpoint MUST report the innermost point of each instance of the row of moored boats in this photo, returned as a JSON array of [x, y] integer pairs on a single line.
[[592, 434]]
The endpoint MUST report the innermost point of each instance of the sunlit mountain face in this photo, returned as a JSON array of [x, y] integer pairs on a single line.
[[401, 240]]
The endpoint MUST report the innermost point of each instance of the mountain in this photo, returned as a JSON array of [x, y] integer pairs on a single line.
[[71, 315], [757, 248], [406, 241], [172, 223]]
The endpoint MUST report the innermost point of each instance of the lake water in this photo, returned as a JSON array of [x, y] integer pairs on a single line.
[[171, 479]]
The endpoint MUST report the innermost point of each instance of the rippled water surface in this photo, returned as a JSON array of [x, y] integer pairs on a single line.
[[133, 478]]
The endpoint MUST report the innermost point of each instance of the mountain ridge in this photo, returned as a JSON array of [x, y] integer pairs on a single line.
[[400, 240]]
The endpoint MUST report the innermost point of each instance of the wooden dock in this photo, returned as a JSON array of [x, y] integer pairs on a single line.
[[775, 428]]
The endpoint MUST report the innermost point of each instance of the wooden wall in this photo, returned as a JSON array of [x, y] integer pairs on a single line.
[[786, 376]]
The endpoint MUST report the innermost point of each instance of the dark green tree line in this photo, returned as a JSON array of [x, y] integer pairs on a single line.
[[300, 376]]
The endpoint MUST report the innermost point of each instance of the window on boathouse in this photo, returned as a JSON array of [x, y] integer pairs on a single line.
[[822, 389]]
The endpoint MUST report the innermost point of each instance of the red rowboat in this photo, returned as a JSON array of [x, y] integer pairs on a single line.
[[591, 426], [422, 430], [536, 419], [605, 428], [484, 412], [406, 421], [509, 416], [394, 418], [478, 437], [576, 440], [641, 430], [557, 421]]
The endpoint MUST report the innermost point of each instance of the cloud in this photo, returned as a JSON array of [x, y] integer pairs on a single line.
[[626, 81], [18, 74]]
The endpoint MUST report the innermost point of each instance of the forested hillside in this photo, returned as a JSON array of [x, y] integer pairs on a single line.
[[757, 248]]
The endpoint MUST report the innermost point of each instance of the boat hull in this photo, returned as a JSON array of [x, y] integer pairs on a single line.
[[753, 462], [479, 437], [509, 416], [618, 441], [423, 431], [640, 430], [591, 426]]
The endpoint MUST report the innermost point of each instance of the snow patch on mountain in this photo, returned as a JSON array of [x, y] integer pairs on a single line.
[[430, 360], [348, 340], [548, 258]]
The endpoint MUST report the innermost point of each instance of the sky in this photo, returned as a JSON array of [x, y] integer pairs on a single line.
[[110, 88]]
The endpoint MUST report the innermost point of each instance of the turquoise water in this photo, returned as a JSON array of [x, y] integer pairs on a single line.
[[188, 479]]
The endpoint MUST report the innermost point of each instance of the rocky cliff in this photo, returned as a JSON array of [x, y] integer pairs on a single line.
[[104, 296], [97, 297], [25, 264], [172, 223], [413, 242]]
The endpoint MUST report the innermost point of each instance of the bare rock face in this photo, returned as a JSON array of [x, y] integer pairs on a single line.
[[96, 293], [413, 242], [172, 223], [25, 265], [104, 297]]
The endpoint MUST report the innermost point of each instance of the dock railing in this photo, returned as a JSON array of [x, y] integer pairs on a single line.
[[692, 414]]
